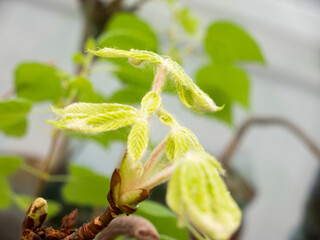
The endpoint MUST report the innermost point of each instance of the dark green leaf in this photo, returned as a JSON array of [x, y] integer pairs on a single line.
[[126, 31], [128, 95], [227, 78], [9, 164], [84, 91], [165, 237], [226, 42], [13, 115], [4, 193], [86, 187], [38, 82], [138, 77], [164, 221]]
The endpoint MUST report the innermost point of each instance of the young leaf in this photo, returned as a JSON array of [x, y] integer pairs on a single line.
[[226, 42], [180, 141], [38, 82], [95, 118], [167, 119], [138, 139], [190, 94], [13, 115], [199, 196], [150, 103], [9, 164], [127, 31], [86, 188]]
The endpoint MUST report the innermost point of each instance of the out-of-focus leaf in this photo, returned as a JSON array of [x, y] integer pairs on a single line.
[[227, 78], [9, 164], [38, 82], [187, 20], [78, 58], [139, 77], [127, 31], [226, 42], [86, 187], [13, 115], [163, 219], [5, 200], [85, 91], [165, 237], [54, 208], [128, 95]]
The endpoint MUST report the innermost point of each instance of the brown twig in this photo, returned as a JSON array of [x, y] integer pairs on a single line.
[[130, 226], [48, 161], [253, 121]]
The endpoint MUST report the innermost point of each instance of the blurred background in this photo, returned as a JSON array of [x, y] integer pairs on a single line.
[[278, 165]]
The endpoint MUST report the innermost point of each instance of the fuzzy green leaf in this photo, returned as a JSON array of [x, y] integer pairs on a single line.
[[150, 103], [9, 164], [38, 82], [95, 118], [226, 42], [167, 118], [13, 115], [5, 191], [197, 193], [180, 141], [190, 94], [127, 31], [86, 188], [138, 139]]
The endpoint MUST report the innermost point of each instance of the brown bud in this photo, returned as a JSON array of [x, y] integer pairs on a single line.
[[36, 214]]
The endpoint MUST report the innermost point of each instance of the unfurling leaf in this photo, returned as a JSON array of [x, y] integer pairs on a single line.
[[95, 118], [13, 116], [198, 195], [190, 94], [180, 141], [138, 139], [150, 103], [167, 119]]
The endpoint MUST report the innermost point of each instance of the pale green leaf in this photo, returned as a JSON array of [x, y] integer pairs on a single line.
[[190, 94], [231, 80], [86, 188], [226, 42], [180, 141], [95, 118], [78, 58], [54, 208], [13, 115], [197, 193], [150, 103], [138, 139], [38, 82], [127, 31], [9, 164], [167, 118], [5, 191]]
